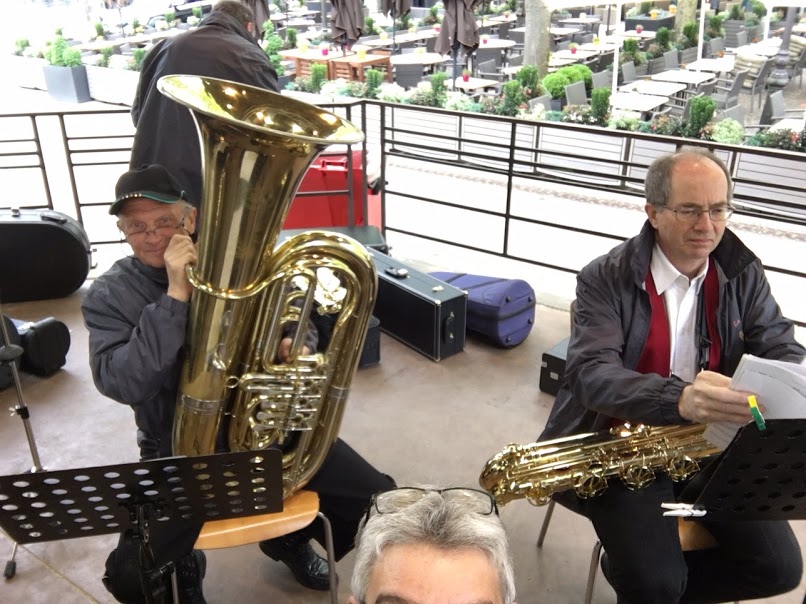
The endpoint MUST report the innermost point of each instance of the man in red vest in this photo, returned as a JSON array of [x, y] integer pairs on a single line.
[[660, 323]]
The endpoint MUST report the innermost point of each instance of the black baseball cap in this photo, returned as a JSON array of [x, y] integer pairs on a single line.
[[149, 181]]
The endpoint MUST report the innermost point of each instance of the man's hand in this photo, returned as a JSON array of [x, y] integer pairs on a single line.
[[285, 350], [709, 400], [179, 253]]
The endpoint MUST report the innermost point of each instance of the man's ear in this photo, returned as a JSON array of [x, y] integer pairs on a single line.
[[652, 214], [190, 222], [250, 27]]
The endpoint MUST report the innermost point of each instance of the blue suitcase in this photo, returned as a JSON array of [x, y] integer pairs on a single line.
[[500, 310]]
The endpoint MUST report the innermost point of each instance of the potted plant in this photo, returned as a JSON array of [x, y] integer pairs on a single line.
[[466, 75], [554, 84], [733, 25], [573, 47], [65, 75]]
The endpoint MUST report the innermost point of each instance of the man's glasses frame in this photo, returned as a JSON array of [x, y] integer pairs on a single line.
[[163, 230], [716, 214], [394, 500]]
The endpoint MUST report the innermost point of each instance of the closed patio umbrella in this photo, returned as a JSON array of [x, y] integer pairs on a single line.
[[395, 8], [347, 22], [459, 29]]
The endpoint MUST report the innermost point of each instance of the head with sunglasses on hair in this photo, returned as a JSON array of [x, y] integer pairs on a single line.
[[659, 325], [421, 545]]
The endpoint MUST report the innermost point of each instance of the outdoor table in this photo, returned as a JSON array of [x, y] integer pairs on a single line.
[[631, 33], [634, 101], [496, 43], [418, 58], [557, 32], [684, 76], [555, 61], [598, 47], [719, 65], [99, 45], [351, 66], [579, 55], [666, 89], [474, 84], [585, 22], [501, 18], [790, 123], [402, 38]]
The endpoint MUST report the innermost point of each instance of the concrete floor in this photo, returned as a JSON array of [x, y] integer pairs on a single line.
[[417, 420]]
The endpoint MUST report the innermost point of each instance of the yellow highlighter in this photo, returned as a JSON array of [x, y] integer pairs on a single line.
[[754, 411]]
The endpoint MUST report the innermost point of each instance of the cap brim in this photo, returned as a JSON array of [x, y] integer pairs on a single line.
[[114, 209]]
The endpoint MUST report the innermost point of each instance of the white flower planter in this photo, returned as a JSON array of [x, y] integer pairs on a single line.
[[117, 86]]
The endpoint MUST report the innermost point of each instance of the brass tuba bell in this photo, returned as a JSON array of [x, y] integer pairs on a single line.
[[256, 147]]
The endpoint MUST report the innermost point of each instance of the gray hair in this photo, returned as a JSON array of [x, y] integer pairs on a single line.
[[658, 182], [234, 8], [441, 523]]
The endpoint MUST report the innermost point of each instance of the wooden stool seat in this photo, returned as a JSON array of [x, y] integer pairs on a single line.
[[299, 511]]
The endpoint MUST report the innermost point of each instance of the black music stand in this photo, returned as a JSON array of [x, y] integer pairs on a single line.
[[139, 497], [760, 476]]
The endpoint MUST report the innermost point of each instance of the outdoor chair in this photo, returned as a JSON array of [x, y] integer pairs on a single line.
[[797, 68], [516, 61], [299, 511], [757, 85], [485, 54], [628, 72], [717, 46], [775, 109], [735, 113], [681, 107], [671, 59], [602, 79], [592, 63], [586, 39], [741, 40], [606, 59], [408, 76], [726, 92], [517, 37], [503, 31], [544, 100], [431, 45], [575, 94], [693, 537], [489, 71], [563, 45]]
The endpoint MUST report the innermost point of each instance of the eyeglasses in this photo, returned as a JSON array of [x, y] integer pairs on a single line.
[[396, 500], [717, 214], [165, 227]]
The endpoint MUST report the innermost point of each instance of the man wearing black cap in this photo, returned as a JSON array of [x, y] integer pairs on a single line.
[[136, 314]]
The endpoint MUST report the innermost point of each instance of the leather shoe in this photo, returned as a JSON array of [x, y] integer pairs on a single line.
[[190, 571], [295, 551]]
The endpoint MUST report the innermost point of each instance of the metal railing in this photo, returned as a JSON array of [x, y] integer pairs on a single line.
[[768, 183]]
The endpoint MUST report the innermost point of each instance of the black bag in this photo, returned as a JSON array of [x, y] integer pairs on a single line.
[[45, 254], [44, 344], [419, 310], [6, 374], [552, 367], [502, 311]]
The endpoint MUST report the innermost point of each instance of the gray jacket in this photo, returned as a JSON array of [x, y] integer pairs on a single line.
[[611, 324], [136, 337]]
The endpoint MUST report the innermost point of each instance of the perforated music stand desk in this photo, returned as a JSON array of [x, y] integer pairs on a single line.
[[65, 504], [760, 476]]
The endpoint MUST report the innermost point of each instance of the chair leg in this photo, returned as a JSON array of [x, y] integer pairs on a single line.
[[596, 554], [331, 558], [545, 526]]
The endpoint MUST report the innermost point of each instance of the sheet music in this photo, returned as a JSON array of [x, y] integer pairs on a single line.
[[779, 386]]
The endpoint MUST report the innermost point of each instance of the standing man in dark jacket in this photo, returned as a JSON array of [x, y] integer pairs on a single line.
[[660, 323], [222, 47], [136, 314]]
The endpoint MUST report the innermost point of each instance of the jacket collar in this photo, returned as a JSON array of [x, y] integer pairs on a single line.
[[224, 21], [731, 255], [157, 275]]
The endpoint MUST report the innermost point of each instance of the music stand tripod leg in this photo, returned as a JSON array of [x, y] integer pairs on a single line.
[[11, 565], [9, 355]]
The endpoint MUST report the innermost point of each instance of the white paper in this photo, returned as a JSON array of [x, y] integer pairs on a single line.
[[780, 387]]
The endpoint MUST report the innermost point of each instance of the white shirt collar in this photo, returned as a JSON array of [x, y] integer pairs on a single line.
[[665, 274]]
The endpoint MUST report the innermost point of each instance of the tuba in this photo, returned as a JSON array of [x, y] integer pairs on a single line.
[[248, 296], [585, 462]]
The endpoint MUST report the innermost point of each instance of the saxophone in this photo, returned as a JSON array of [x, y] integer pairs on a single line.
[[585, 462], [248, 296]]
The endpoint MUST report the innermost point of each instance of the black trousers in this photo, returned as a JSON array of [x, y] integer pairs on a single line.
[[345, 483], [646, 564]]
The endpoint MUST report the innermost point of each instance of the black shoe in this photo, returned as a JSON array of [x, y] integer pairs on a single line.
[[295, 551], [190, 571]]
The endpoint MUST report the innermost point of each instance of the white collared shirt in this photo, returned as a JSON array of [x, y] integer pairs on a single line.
[[680, 296]]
